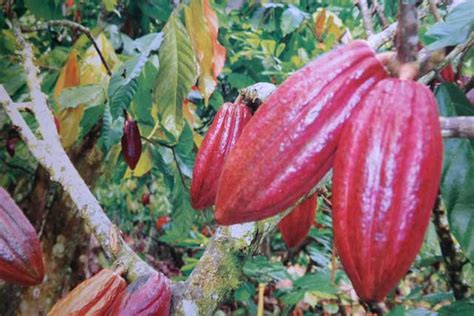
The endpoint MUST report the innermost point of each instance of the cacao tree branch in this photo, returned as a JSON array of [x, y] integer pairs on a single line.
[[458, 51], [457, 127], [366, 16], [379, 10], [81, 28], [407, 39], [48, 151], [453, 258], [434, 10]]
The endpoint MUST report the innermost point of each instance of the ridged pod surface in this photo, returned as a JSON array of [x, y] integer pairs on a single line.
[[295, 226], [21, 260], [93, 297], [386, 178], [131, 143], [149, 295], [289, 144], [226, 128]]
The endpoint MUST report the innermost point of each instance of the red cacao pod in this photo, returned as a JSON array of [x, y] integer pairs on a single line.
[[289, 144], [448, 73], [295, 226], [131, 143], [93, 297], [21, 260], [145, 199], [11, 145], [148, 295], [386, 177], [219, 140]]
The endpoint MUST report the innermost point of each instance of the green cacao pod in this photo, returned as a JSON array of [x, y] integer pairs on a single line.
[[289, 144], [227, 126], [386, 177], [131, 143], [21, 260], [295, 226], [149, 295], [93, 297]]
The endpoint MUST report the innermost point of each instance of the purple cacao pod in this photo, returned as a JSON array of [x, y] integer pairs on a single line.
[[131, 143]]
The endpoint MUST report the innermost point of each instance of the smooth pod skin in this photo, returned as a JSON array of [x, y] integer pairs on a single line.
[[93, 297], [21, 260], [149, 295], [223, 133], [295, 226], [386, 178], [289, 144], [131, 143]]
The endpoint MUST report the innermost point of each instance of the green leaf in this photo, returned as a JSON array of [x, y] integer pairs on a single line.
[[320, 282], [112, 130], [124, 82], [45, 9], [177, 75], [291, 19], [264, 270], [184, 151], [109, 4], [88, 95], [458, 171], [143, 100], [455, 29], [459, 308], [92, 116]]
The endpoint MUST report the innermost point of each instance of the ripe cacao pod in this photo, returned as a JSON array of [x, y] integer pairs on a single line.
[[386, 177], [131, 143], [148, 295], [295, 226], [227, 126], [21, 260], [289, 144], [93, 297]]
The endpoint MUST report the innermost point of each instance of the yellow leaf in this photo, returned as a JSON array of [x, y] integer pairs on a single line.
[[92, 69], [326, 22], [144, 165], [70, 120], [70, 75], [319, 18], [219, 50], [198, 138], [201, 24]]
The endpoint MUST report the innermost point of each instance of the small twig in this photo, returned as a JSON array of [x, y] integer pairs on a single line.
[[457, 127], [457, 52], [434, 10], [454, 259], [82, 29], [181, 175], [366, 16], [379, 10]]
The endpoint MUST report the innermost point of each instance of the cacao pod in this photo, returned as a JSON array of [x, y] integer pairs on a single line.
[[228, 123], [289, 144], [11, 145], [295, 226], [145, 199], [21, 260], [148, 295], [386, 177], [93, 297], [131, 143], [447, 73]]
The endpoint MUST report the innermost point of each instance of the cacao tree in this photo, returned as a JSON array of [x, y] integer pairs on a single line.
[[151, 149]]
